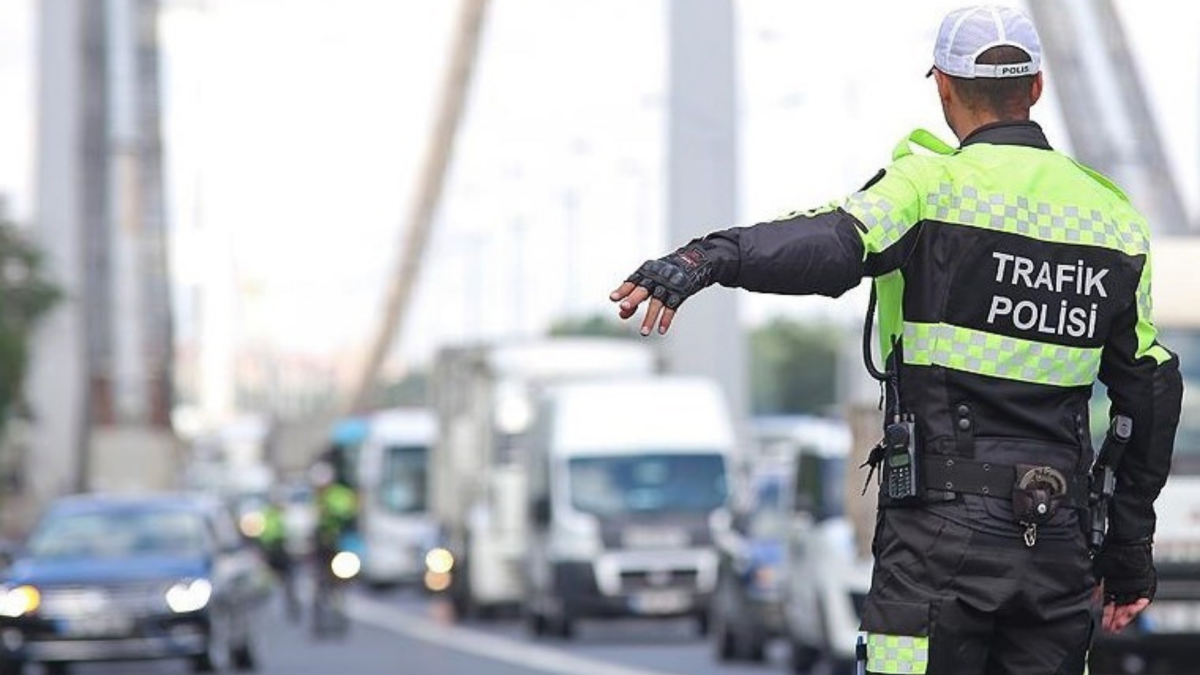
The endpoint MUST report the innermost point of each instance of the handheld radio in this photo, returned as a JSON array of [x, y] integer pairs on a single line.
[[896, 455], [901, 466]]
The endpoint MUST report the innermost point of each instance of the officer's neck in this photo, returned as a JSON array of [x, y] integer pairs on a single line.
[[968, 121]]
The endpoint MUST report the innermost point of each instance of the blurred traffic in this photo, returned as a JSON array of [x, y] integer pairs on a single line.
[[119, 578], [515, 505]]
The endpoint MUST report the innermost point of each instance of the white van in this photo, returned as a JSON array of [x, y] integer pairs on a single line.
[[624, 478], [393, 520]]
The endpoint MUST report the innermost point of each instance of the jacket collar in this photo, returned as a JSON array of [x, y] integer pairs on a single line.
[[1024, 132]]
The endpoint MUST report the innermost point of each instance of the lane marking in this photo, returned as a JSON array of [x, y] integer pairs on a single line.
[[482, 644]]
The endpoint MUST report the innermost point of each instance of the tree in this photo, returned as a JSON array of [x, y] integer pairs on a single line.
[[412, 390], [595, 325], [794, 367], [26, 295]]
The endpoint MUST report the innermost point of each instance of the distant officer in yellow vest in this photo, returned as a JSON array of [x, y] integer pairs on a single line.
[[275, 547], [337, 510]]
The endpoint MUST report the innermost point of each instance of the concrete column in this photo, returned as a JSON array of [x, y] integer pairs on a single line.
[[702, 165], [56, 385]]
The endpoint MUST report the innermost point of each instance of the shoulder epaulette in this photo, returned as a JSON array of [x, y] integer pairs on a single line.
[[1101, 179], [924, 139]]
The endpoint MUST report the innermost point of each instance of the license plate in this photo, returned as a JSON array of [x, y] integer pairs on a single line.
[[1172, 617], [103, 625], [660, 602]]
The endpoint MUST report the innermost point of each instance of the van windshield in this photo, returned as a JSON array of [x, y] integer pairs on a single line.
[[403, 483], [647, 483], [1186, 344], [768, 517]]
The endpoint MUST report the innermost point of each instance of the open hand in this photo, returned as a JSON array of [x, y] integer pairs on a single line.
[[630, 295], [1117, 617]]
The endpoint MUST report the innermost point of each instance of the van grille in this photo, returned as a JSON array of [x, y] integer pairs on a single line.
[[633, 581]]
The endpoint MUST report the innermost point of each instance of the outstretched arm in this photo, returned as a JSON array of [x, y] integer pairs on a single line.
[[824, 251]]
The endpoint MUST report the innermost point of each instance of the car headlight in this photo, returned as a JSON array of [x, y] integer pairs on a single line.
[[189, 596], [19, 601], [439, 560], [345, 565]]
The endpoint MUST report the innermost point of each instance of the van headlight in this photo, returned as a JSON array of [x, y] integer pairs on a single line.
[[19, 600], [345, 565], [189, 596]]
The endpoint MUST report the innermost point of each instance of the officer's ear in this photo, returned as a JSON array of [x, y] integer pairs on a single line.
[[945, 87], [1036, 92]]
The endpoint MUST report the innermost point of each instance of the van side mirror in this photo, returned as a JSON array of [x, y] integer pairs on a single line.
[[541, 511], [721, 520], [740, 522]]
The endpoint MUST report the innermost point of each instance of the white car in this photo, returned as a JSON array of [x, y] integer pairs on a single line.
[[827, 580]]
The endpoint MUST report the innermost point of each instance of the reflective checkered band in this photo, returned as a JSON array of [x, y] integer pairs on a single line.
[[1147, 334], [884, 224], [1016, 214], [808, 213], [974, 351], [896, 654]]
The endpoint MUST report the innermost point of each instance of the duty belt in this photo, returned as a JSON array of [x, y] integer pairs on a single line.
[[956, 474]]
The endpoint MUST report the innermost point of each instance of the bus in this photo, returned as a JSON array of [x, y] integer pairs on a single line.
[[394, 522]]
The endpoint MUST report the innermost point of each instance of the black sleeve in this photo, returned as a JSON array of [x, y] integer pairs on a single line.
[[817, 252], [1144, 383]]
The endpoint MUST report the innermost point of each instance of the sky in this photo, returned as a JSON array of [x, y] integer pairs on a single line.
[[17, 112], [294, 129]]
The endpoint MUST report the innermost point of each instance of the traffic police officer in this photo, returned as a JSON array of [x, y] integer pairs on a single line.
[[1009, 278]]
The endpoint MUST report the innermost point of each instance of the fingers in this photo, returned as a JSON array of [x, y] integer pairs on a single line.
[[652, 311], [664, 325], [622, 291], [1117, 617], [631, 296], [634, 297]]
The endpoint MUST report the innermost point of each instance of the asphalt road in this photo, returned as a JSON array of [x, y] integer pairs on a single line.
[[405, 633]]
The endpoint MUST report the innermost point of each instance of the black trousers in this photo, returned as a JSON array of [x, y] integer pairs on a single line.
[[951, 599]]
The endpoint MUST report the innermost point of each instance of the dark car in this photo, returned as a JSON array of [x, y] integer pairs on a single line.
[[746, 611], [120, 578]]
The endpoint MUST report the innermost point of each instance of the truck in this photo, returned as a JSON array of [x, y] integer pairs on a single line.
[[394, 523], [1167, 634], [483, 400], [622, 507]]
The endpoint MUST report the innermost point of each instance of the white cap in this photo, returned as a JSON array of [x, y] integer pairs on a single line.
[[968, 32]]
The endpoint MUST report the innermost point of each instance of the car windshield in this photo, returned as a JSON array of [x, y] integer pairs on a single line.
[[117, 534], [617, 485], [768, 518], [402, 487]]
